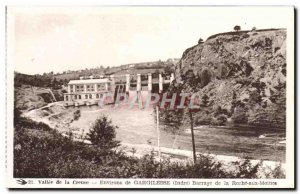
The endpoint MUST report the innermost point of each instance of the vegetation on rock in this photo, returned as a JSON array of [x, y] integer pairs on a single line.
[[250, 64]]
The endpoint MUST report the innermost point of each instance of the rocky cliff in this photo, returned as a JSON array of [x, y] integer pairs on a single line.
[[240, 77]]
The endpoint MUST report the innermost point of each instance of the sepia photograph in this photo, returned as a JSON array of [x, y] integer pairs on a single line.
[[150, 97]]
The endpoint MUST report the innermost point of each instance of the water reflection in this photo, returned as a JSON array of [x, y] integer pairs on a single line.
[[137, 126]]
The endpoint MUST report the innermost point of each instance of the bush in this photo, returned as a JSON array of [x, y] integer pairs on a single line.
[[47, 154], [239, 116], [77, 114], [244, 169], [203, 119], [102, 134], [220, 120], [205, 77]]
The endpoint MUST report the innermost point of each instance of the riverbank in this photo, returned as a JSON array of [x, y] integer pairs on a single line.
[[185, 156], [143, 142], [56, 116]]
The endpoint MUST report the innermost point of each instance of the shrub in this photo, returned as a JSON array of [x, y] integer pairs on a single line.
[[47, 154], [203, 119], [239, 116], [221, 111], [254, 97], [244, 169], [102, 134], [77, 114], [220, 120], [200, 41], [205, 100], [277, 173], [205, 77]]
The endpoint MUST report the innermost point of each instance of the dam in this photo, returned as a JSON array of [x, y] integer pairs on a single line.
[[90, 90]]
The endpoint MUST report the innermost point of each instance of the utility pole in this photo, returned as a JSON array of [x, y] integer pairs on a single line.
[[193, 138], [158, 135]]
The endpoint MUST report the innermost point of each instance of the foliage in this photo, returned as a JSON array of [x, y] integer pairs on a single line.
[[205, 100], [102, 134], [219, 120], [44, 80], [168, 70], [200, 41], [203, 119], [41, 152], [77, 114], [205, 77], [277, 172], [221, 111], [244, 169], [237, 28], [239, 116]]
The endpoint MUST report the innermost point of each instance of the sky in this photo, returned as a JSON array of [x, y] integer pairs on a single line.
[[73, 38]]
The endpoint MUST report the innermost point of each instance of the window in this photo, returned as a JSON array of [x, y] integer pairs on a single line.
[[79, 96], [67, 98], [101, 87], [75, 97], [97, 95], [86, 96], [90, 96], [78, 88]]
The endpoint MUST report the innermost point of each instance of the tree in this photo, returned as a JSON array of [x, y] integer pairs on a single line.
[[168, 70], [239, 116], [200, 41], [205, 100], [237, 28], [102, 134]]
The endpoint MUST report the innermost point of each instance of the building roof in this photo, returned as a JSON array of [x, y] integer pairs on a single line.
[[89, 81]]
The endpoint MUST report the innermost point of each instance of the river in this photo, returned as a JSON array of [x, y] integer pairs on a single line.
[[138, 126]]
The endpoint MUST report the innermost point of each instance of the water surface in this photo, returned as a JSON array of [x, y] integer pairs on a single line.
[[138, 126]]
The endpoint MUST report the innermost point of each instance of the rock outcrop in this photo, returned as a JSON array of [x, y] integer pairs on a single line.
[[242, 76]]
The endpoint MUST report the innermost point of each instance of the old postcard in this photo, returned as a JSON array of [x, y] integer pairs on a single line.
[[150, 97]]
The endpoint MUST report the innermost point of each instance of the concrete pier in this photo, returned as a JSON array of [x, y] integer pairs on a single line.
[[138, 83], [160, 82], [149, 82], [85, 91]]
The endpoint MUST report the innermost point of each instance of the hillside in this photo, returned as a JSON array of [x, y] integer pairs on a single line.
[[240, 77], [132, 68]]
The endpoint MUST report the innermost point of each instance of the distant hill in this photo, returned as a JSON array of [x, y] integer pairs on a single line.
[[133, 68]]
